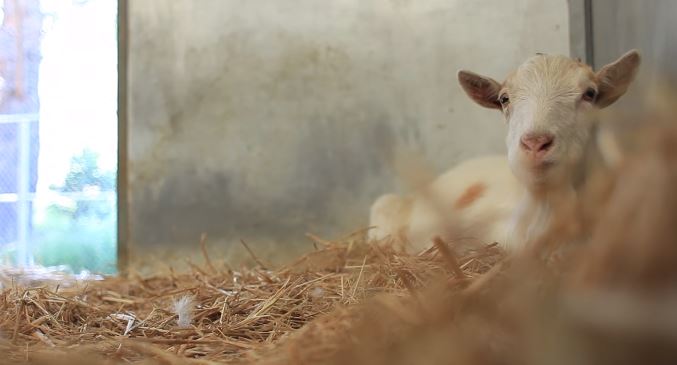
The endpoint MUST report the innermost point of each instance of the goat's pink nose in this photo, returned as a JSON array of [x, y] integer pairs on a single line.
[[537, 145]]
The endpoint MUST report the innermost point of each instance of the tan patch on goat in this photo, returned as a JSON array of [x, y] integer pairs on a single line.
[[470, 195]]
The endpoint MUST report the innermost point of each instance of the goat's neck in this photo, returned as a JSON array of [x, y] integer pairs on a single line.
[[535, 212]]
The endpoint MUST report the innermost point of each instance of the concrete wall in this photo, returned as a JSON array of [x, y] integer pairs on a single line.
[[649, 25], [264, 120]]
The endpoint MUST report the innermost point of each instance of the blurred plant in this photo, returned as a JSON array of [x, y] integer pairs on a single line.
[[86, 177], [82, 244], [80, 227]]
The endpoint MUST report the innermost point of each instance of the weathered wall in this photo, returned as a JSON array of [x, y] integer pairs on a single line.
[[648, 25], [264, 120]]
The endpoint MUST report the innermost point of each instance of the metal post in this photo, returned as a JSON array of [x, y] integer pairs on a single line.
[[123, 226], [589, 35], [580, 30]]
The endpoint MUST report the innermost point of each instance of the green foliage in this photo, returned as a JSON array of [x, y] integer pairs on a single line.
[[82, 244], [83, 235], [86, 175], [85, 172]]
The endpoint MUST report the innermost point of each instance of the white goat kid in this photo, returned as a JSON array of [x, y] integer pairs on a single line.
[[548, 104]]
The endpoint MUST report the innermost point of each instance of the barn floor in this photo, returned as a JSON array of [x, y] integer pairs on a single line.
[[253, 316]]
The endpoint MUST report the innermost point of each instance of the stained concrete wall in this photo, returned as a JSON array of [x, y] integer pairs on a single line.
[[264, 120]]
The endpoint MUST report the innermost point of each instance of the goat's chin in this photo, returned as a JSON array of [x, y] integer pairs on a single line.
[[540, 175]]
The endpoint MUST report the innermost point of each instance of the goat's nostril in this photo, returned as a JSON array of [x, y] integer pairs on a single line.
[[537, 143], [524, 145], [546, 146]]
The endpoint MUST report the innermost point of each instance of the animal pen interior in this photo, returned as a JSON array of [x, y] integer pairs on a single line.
[[306, 182]]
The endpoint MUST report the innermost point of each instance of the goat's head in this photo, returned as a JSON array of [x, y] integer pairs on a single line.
[[548, 103]]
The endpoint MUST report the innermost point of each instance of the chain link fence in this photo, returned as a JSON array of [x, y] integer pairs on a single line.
[[16, 186]]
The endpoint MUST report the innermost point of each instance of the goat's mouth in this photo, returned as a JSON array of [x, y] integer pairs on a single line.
[[544, 164], [531, 170], [541, 167]]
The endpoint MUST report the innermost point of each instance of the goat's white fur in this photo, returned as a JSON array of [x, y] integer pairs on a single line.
[[418, 217]]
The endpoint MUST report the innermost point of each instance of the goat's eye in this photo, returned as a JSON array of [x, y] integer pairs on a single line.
[[504, 100], [590, 94]]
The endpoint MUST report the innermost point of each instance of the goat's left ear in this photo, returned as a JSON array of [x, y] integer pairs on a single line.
[[616, 77]]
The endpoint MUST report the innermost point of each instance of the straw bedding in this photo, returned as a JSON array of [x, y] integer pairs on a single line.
[[608, 300], [235, 314]]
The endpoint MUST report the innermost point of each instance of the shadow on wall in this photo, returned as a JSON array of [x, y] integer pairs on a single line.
[[330, 166]]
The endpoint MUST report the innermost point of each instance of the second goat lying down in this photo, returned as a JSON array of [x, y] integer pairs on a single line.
[[548, 104]]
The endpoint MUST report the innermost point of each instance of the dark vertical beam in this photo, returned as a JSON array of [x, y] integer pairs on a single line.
[[122, 180], [580, 30], [589, 44]]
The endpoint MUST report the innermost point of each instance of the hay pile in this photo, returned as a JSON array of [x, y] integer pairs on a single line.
[[235, 315], [610, 300]]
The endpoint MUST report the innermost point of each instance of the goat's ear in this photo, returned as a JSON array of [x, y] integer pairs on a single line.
[[483, 90], [616, 77]]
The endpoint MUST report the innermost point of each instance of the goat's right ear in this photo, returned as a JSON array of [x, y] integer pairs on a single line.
[[483, 90], [616, 77]]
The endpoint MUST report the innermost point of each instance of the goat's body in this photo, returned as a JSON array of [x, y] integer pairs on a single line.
[[473, 200]]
